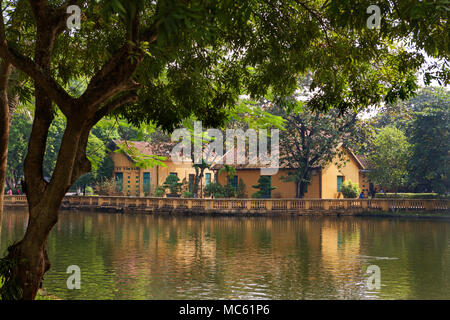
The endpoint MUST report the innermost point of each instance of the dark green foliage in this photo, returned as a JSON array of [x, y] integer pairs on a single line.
[[227, 191], [9, 290], [214, 189], [264, 187], [424, 121], [172, 183], [429, 165], [187, 194]]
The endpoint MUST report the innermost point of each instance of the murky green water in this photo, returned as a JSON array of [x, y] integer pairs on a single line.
[[147, 257]]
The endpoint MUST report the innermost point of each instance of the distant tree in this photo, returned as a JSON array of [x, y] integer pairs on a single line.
[[401, 114], [424, 121], [429, 165], [388, 158], [20, 130]]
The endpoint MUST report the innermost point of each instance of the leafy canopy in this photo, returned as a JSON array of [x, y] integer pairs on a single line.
[[207, 53]]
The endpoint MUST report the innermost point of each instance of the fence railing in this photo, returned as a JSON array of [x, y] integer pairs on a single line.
[[236, 205]]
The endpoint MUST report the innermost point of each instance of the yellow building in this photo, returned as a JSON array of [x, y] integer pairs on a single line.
[[325, 182], [134, 181]]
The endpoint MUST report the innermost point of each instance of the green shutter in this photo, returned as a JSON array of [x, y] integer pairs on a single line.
[[234, 182], [119, 181], [146, 182], [340, 179]]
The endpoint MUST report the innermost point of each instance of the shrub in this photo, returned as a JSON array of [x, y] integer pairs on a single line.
[[159, 192], [241, 189], [173, 184], [106, 187], [89, 191], [187, 194], [350, 189], [264, 187], [227, 191], [214, 189], [410, 196]]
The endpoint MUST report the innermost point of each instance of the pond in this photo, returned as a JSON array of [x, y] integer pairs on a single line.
[[177, 257]]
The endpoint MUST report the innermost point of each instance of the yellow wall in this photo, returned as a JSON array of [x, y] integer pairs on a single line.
[[348, 168], [133, 178], [364, 183], [283, 189]]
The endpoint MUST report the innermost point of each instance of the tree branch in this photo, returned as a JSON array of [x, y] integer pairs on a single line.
[[114, 104], [43, 79]]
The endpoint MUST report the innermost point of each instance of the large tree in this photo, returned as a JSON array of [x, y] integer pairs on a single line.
[[162, 61], [312, 139]]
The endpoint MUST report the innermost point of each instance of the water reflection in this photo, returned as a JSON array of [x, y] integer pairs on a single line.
[[147, 257]]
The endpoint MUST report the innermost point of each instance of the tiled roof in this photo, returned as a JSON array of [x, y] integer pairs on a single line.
[[283, 164], [363, 160], [158, 149], [163, 149]]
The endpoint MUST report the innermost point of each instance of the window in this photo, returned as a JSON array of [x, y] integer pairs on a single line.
[[340, 179], [207, 179], [191, 182], [119, 181], [234, 182], [268, 192], [174, 174], [146, 182]]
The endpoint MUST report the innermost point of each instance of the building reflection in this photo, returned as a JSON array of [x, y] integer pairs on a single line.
[[156, 257]]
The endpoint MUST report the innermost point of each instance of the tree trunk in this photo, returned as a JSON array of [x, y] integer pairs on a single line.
[[300, 189], [29, 256], [5, 71], [197, 179]]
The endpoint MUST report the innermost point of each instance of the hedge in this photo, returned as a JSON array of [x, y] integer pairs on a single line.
[[411, 196]]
